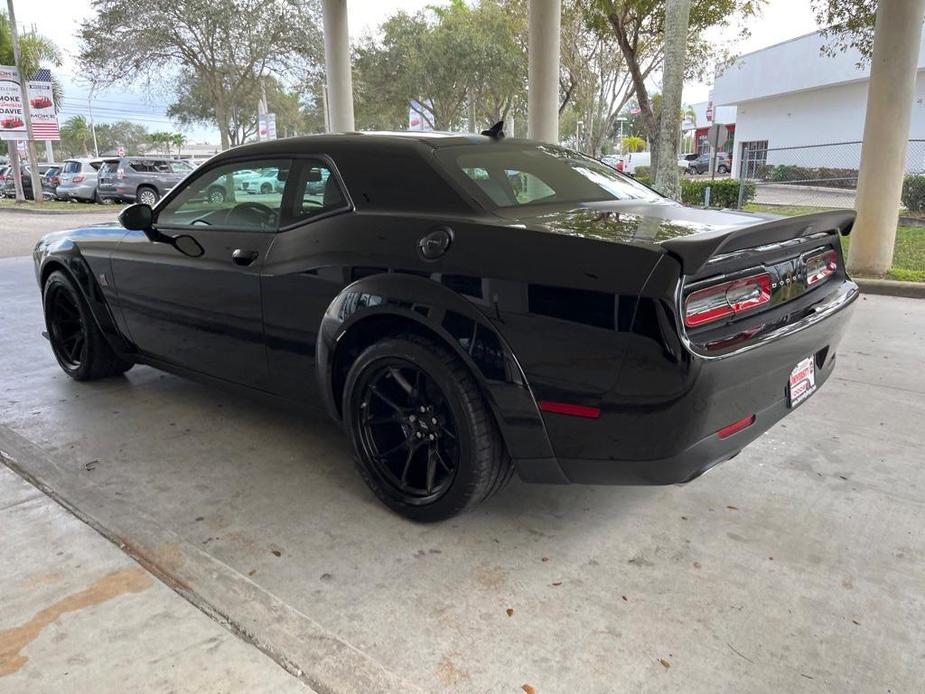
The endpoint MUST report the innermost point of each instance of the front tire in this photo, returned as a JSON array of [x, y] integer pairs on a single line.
[[76, 340], [423, 438]]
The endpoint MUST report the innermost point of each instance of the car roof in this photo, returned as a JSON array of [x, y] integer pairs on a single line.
[[309, 144]]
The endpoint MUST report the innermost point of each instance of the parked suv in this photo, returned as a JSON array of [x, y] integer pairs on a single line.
[[702, 163], [77, 180], [141, 179]]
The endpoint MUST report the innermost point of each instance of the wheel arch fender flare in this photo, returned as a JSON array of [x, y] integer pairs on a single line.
[[65, 256], [381, 305]]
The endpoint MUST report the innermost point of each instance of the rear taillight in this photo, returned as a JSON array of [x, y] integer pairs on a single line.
[[727, 299], [820, 267], [78, 179], [120, 174]]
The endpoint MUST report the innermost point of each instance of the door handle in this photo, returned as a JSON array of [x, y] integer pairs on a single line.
[[244, 257]]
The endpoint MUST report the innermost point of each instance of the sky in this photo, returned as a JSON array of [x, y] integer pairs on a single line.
[[780, 20]]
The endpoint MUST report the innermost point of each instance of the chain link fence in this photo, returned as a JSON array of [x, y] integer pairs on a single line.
[[823, 176]]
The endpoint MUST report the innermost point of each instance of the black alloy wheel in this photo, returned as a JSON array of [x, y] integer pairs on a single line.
[[408, 432], [423, 438], [67, 330], [76, 340]]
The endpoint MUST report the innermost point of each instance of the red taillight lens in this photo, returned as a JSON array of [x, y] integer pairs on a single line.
[[727, 299], [78, 179], [820, 267]]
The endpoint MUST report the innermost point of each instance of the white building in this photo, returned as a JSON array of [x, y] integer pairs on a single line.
[[790, 95]]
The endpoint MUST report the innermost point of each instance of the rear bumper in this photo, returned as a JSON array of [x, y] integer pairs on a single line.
[[76, 191], [674, 440]]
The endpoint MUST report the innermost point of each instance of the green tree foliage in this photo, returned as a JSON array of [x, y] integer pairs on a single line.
[[34, 49], [465, 64], [192, 106], [849, 24], [639, 29], [631, 143], [594, 83], [76, 138], [215, 49]]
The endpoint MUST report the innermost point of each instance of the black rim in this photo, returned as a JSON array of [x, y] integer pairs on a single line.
[[66, 328], [407, 432]]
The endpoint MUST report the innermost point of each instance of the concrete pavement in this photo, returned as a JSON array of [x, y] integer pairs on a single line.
[[78, 615], [796, 567]]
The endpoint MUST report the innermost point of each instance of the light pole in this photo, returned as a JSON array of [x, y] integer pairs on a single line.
[[96, 149]]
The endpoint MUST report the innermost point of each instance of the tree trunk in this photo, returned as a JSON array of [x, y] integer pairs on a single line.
[[222, 120], [677, 14]]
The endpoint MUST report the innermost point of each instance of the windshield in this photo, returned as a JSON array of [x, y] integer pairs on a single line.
[[514, 176]]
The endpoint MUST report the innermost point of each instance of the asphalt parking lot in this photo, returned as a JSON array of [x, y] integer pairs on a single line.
[[796, 567]]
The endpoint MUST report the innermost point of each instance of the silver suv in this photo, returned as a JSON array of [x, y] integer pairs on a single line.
[[141, 179], [77, 180]]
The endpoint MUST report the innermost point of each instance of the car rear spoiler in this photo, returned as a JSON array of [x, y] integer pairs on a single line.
[[695, 250]]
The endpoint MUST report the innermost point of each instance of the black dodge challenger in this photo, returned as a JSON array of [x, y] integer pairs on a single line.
[[466, 306]]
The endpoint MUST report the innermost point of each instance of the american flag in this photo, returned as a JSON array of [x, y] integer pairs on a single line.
[[44, 128]]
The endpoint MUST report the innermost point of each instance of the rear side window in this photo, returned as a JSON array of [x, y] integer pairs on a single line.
[[150, 165], [95, 165], [317, 191]]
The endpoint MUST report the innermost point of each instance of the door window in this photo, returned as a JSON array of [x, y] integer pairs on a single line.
[[244, 196]]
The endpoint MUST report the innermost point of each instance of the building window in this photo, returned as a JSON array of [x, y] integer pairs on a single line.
[[754, 158]]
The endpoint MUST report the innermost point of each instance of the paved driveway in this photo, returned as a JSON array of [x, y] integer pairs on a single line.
[[20, 231], [797, 567]]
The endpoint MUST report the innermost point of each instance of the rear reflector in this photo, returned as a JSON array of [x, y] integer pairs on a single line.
[[820, 267], [727, 299], [568, 408], [731, 429]]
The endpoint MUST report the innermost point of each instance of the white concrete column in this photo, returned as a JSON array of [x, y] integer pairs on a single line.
[[543, 70], [337, 65], [886, 132]]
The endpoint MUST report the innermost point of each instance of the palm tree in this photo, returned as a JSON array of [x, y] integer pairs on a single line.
[[76, 135], [34, 50]]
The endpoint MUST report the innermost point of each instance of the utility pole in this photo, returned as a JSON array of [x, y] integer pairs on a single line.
[[96, 149], [26, 111]]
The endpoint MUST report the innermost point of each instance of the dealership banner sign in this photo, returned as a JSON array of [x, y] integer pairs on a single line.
[[41, 101]]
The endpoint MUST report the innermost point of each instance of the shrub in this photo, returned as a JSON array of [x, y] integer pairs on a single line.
[[724, 192], [644, 172], [825, 176], [913, 196]]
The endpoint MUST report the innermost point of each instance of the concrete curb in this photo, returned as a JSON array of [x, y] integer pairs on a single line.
[[912, 290], [58, 213]]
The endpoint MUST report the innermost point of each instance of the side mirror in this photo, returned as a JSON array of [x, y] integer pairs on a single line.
[[137, 217]]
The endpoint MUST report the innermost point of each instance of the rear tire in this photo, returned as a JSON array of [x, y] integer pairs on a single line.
[[76, 340], [424, 440], [147, 196]]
